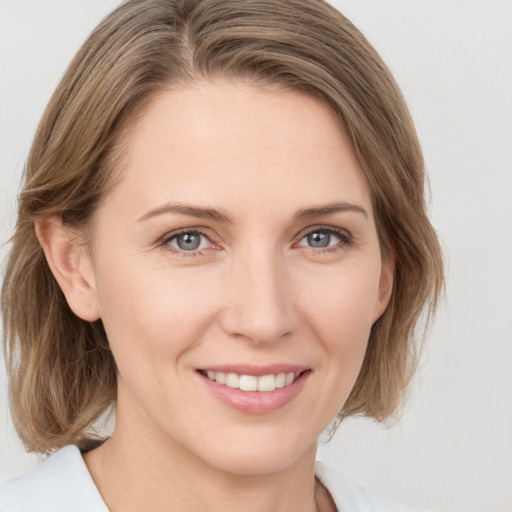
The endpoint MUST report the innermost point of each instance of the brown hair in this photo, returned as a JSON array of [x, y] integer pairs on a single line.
[[62, 374]]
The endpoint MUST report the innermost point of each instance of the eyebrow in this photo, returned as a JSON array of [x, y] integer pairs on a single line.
[[220, 216], [192, 211], [329, 209]]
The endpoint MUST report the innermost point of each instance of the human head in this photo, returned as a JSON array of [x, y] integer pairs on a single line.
[[141, 48]]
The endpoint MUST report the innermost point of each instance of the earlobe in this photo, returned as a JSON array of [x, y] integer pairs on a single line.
[[70, 265]]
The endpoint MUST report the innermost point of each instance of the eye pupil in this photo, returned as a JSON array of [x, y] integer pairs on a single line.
[[319, 239], [188, 241]]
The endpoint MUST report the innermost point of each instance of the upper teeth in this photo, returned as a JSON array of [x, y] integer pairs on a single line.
[[251, 382]]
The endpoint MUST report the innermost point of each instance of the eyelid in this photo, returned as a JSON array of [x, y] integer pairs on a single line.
[[341, 232], [345, 239], [173, 234], [165, 240]]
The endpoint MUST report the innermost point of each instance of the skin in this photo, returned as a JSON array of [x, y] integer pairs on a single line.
[[254, 292]]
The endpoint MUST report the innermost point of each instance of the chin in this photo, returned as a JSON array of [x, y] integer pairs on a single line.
[[261, 456]]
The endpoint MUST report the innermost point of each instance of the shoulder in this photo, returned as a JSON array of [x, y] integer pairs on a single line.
[[348, 495], [60, 484]]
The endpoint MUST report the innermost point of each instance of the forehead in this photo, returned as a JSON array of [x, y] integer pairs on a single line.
[[219, 141]]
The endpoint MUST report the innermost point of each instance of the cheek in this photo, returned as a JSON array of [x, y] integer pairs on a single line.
[[340, 311], [152, 314], [341, 303]]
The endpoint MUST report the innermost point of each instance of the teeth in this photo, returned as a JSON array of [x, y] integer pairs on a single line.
[[266, 382], [248, 383], [253, 383], [232, 380], [280, 380]]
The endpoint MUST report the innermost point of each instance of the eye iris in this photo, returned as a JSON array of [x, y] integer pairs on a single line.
[[319, 239], [188, 241]]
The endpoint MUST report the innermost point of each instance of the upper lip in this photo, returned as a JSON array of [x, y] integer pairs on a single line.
[[257, 371]]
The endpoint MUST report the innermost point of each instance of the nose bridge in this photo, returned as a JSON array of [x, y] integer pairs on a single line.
[[260, 300]]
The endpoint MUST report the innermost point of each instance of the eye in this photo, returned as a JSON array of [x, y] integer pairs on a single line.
[[187, 242], [325, 238]]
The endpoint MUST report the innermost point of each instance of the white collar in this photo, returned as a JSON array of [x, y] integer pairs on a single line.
[[63, 484]]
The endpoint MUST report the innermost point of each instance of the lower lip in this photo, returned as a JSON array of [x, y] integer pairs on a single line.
[[257, 402]]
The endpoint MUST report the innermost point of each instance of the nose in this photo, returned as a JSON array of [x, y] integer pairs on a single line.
[[259, 298]]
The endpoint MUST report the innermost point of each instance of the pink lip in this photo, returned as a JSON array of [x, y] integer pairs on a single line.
[[255, 402], [257, 371]]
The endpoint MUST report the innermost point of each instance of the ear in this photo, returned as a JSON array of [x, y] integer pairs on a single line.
[[70, 265], [385, 285]]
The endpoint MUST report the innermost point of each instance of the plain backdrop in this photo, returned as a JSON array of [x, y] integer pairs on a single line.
[[452, 450]]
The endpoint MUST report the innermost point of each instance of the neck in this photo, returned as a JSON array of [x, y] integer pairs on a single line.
[[160, 474]]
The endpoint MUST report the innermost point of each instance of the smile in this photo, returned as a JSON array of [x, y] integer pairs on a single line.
[[253, 389], [269, 382]]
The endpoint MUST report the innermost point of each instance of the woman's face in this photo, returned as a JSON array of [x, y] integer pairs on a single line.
[[238, 249]]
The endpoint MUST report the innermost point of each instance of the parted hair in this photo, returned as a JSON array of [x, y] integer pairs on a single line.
[[62, 375]]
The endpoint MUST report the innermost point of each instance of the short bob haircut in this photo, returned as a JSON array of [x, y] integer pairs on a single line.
[[62, 373]]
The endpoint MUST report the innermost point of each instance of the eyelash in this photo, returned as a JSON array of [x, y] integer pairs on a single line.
[[167, 239], [346, 240]]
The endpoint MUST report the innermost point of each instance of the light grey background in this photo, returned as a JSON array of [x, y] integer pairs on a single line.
[[452, 451]]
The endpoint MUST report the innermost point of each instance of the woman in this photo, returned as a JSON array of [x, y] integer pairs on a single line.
[[223, 232]]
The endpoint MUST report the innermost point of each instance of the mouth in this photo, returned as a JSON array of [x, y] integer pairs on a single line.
[[247, 382], [255, 390]]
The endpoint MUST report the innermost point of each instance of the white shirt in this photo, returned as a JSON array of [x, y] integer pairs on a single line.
[[63, 484]]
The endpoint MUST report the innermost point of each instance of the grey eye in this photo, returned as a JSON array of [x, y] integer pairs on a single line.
[[319, 239], [188, 241]]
